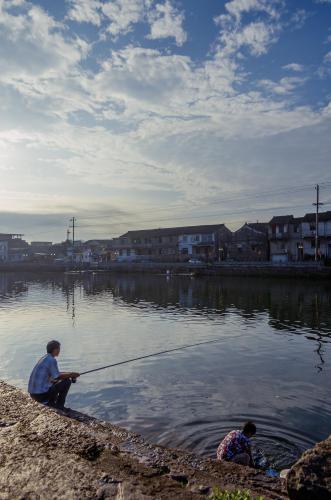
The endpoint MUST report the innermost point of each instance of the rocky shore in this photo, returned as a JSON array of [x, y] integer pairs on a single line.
[[46, 454]]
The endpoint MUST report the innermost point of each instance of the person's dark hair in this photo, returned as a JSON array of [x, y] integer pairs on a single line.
[[249, 428], [53, 344]]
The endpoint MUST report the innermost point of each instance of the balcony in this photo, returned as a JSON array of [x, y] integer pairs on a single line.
[[322, 233], [310, 233]]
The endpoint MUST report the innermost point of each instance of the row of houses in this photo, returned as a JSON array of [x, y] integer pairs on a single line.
[[294, 238], [283, 239], [13, 248]]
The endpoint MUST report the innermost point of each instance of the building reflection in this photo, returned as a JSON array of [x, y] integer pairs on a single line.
[[11, 287], [293, 307]]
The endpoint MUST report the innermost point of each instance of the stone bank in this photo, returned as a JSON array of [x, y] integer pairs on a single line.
[[47, 455]]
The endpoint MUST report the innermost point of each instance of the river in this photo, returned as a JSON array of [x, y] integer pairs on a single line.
[[272, 363]]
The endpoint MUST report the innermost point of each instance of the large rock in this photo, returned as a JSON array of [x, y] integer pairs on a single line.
[[310, 477]]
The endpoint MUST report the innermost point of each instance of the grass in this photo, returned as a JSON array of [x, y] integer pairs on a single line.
[[232, 495]]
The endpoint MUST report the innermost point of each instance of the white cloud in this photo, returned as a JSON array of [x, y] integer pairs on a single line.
[[166, 22], [327, 57], [147, 126], [256, 35], [119, 15], [299, 18], [33, 45], [285, 85], [85, 11], [123, 14], [237, 8], [294, 67], [137, 76]]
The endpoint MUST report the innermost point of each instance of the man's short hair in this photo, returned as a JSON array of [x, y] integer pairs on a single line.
[[249, 428], [53, 344]]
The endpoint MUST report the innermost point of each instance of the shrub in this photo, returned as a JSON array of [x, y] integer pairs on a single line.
[[233, 495]]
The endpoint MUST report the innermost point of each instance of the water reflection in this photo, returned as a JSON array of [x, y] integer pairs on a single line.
[[272, 363]]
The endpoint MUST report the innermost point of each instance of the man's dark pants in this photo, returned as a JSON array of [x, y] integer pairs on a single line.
[[56, 395]]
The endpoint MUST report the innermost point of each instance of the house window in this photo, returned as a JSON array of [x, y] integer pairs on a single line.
[[312, 244], [312, 226], [160, 240], [184, 239]]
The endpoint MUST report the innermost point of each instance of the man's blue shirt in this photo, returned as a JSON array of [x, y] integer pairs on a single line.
[[42, 375]]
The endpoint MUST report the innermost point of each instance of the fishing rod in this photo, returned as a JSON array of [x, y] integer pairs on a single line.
[[150, 356]]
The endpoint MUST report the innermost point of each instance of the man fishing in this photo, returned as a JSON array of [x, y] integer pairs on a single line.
[[236, 446], [47, 384]]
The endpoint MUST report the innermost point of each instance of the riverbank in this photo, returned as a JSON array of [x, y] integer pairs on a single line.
[[46, 454], [310, 270]]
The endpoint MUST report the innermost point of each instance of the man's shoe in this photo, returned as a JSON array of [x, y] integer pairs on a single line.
[[65, 409]]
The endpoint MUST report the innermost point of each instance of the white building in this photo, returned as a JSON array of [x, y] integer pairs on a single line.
[[285, 239], [196, 244], [13, 248], [308, 228]]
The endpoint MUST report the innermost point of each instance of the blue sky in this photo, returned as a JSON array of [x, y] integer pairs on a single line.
[[150, 113]]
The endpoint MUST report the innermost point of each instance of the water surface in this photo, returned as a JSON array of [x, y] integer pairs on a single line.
[[272, 363]]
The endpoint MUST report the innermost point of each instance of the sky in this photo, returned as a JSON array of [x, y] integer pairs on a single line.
[[135, 114]]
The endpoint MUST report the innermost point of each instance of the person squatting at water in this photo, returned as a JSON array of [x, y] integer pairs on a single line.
[[47, 384], [236, 446]]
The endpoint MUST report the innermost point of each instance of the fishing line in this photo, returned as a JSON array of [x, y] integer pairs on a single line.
[[150, 355]]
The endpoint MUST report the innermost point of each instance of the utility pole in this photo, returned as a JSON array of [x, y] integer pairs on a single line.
[[317, 205], [73, 220], [68, 234]]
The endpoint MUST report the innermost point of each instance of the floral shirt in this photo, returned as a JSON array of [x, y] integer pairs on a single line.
[[233, 444]]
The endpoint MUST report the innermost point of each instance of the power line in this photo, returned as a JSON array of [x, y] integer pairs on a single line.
[[263, 194], [192, 217], [202, 216], [286, 190]]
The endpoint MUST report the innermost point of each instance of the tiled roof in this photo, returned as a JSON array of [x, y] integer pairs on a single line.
[[173, 231], [323, 216], [261, 227], [98, 242], [282, 219]]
